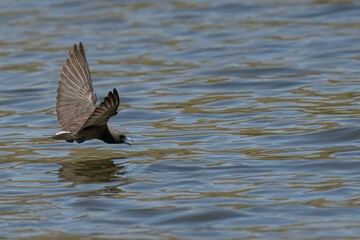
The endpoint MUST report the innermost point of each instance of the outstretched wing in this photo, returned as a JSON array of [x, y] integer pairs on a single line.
[[75, 100], [107, 108]]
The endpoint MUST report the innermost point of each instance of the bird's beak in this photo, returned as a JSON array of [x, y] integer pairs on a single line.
[[128, 141]]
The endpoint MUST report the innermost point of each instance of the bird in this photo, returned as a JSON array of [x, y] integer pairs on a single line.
[[80, 119]]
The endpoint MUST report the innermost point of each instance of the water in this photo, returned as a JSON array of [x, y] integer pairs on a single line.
[[244, 116]]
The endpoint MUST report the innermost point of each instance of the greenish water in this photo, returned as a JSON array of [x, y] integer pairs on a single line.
[[244, 116]]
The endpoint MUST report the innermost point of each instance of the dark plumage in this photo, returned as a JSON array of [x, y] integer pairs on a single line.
[[77, 114]]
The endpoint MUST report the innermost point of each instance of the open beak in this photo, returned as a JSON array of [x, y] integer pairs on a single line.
[[128, 141]]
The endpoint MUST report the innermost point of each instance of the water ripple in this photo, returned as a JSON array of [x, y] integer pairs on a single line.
[[244, 117]]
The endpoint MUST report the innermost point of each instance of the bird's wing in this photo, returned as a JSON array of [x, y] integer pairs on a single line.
[[76, 99], [107, 108]]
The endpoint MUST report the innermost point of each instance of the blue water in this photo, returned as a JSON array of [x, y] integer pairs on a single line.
[[244, 116]]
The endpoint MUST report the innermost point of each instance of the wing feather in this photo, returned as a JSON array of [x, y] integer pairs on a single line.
[[107, 108], [76, 99]]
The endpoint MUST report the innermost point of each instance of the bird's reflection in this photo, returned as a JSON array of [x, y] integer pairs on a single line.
[[91, 171]]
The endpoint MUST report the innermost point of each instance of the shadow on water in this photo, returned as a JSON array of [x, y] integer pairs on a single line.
[[91, 171]]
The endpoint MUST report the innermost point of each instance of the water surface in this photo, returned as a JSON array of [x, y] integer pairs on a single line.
[[244, 116]]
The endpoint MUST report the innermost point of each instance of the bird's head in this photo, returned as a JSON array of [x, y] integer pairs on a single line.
[[114, 136], [125, 139]]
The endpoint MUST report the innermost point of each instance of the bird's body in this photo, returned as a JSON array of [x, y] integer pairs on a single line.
[[77, 114], [88, 133]]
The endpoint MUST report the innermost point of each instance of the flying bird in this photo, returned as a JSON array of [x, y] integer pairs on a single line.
[[80, 119]]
